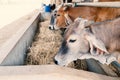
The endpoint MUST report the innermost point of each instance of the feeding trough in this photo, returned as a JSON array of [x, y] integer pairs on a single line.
[[15, 46]]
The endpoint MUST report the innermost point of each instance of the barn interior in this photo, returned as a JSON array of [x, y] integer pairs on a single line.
[[31, 50]]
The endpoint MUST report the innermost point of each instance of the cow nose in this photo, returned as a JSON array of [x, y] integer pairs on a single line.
[[50, 27], [55, 61]]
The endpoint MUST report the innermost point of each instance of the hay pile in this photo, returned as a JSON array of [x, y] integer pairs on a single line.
[[45, 45]]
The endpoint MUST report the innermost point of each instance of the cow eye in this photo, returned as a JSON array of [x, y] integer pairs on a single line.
[[72, 40], [54, 14], [58, 14]]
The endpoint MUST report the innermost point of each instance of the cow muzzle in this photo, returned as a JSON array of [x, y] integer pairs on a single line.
[[51, 27], [64, 60], [59, 62]]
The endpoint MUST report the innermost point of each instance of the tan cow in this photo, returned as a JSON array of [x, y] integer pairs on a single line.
[[82, 41]]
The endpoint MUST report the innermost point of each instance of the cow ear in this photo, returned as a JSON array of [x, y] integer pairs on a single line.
[[65, 8], [95, 42]]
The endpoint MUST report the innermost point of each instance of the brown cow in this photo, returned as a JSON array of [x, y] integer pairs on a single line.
[[90, 13], [107, 14], [81, 41], [73, 12]]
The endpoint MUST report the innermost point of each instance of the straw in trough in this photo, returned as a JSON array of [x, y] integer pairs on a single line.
[[44, 47]]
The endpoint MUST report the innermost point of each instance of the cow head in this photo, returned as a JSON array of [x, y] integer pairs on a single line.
[[76, 42], [52, 20], [60, 18]]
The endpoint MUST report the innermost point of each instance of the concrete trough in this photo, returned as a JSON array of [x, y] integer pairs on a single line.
[[15, 39], [48, 72]]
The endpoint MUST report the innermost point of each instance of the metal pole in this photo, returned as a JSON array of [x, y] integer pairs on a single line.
[[97, 4], [66, 1]]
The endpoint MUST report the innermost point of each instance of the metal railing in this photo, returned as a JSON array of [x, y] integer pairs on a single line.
[[97, 4]]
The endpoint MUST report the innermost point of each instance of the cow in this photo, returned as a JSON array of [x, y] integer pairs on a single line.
[[91, 13], [84, 38], [66, 13]]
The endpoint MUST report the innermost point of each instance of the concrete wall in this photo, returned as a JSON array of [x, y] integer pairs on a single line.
[[13, 51], [48, 72]]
